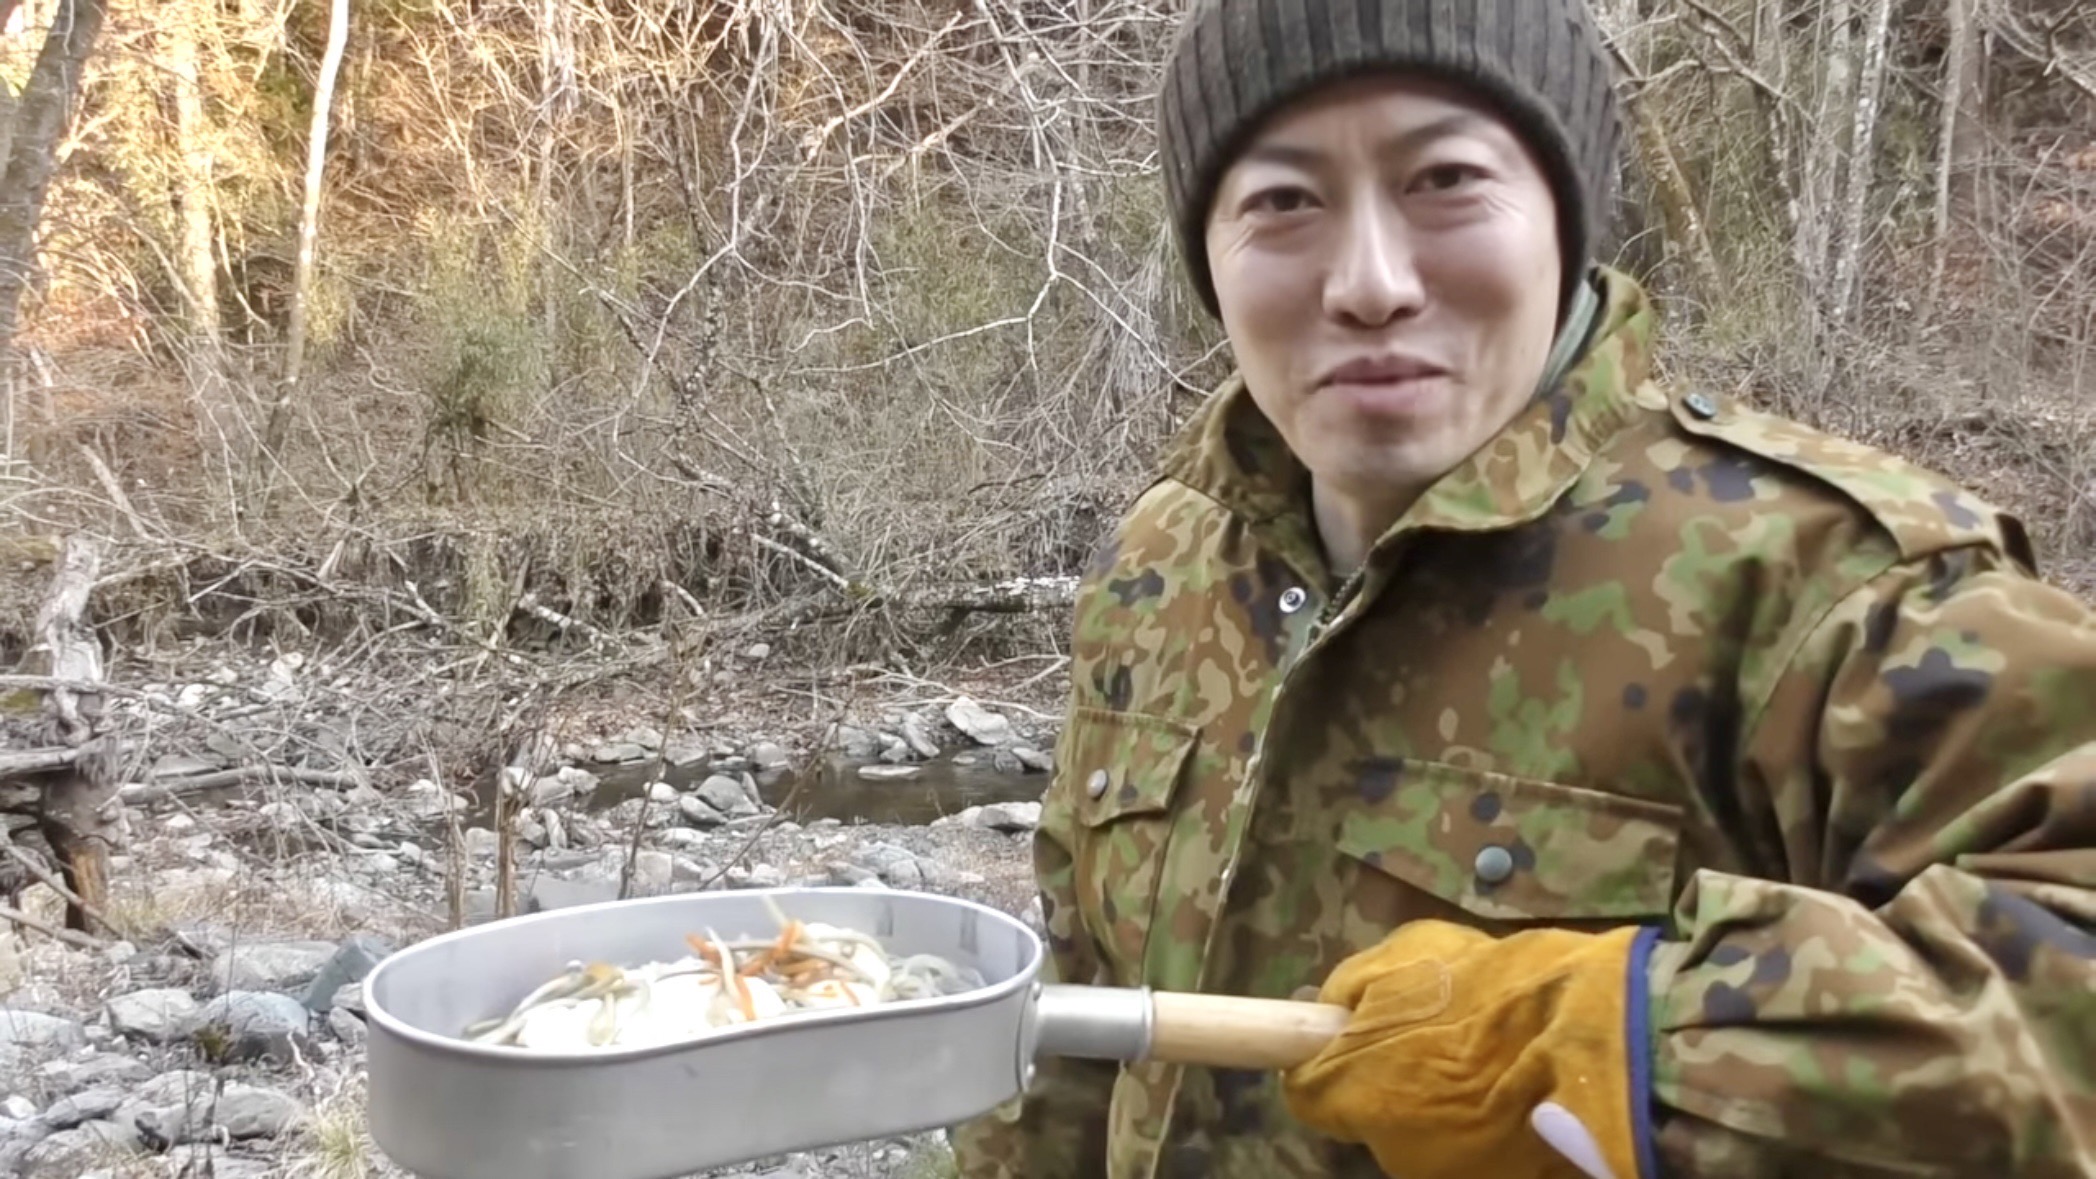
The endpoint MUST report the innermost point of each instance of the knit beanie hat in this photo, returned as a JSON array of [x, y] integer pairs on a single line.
[[1540, 63]]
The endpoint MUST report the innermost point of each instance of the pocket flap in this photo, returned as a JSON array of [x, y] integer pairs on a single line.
[[1122, 763], [1509, 848]]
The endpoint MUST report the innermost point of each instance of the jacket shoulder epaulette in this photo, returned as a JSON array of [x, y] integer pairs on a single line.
[[1923, 511]]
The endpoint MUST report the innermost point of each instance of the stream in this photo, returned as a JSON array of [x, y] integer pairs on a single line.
[[835, 789]]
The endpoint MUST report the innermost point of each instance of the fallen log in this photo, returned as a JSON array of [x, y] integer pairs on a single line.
[[159, 788], [79, 812]]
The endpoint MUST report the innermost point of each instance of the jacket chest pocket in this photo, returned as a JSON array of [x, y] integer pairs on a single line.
[[1123, 771], [1498, 850]]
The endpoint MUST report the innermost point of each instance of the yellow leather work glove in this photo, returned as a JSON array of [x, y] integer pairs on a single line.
[[1522, 1057]]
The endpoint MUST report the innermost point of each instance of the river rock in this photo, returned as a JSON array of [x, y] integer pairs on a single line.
[[617, 752], [356, 957], [661, 792], [1009, 817], [1033, 759], [897, 867], [755, 876], [272, 966], [917, 734], [210, 1161], [427, 800], [646, 737], [885, 773], [684, 838], [85, 1106], [653, 870], [245, 1025], [68, 1150], [699, 813], [251, 1111], [1004, 761], [980, 724], [64, 1078], [347, 1028], [481, 842], [18, 1107], [156, 1016], [728, 796], [32, 1034], [680, 754], [855, 742], [769, 755]]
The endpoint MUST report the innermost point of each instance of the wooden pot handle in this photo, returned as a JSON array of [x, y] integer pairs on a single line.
[[1228, 1031]]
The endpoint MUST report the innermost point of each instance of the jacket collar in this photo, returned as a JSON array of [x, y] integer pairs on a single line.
[[1231, 452]]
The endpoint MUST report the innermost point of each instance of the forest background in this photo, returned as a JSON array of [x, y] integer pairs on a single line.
[[402, 397], [834, 322]]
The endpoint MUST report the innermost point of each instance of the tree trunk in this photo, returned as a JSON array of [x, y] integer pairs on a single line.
[[80, 810], [218, 422], [308, 224], [41, 115], [1964, 97], [1862, 167]]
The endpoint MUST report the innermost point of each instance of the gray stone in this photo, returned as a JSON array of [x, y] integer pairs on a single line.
[[86, 1106], [356, 957], [171, 1108], [728, 797], [18, 1107], [757, 651], [244, 1025], [680, 754], [17, 1137], [271, 966], [1033, 759], [855, 742], [884, 773], [21, 1029], [699, 813], [898, 867], [653, 870], [349, 997], [551, 791], [90, 1142], [895, 751], [1009, 817], [427, 800], [646, 737], [617, 752], [769, 755], [66, 1077], [481, 843], [661, 792], [157, 1016], [756, 876], [917, 734], [684, 838], [347, 1027], [250, 1111], [210, 1161], [1005, 762], [983, 726]]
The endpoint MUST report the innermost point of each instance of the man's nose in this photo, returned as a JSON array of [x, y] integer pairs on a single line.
[[1372, 278]]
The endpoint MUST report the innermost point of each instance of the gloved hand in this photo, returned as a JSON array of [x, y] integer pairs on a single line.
[[1469, 1055]]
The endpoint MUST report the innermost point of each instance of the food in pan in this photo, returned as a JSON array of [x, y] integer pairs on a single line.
[[808, 966]]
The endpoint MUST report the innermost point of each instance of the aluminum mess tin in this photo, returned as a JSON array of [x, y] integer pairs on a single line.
[[442, 1107]]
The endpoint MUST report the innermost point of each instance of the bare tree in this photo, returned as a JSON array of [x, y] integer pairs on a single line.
[[41, 115], [308, 224]]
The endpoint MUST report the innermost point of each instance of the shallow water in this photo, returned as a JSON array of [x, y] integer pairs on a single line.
[[834, 789]]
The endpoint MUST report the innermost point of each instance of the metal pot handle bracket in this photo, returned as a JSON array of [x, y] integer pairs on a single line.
[[1139, 1023]]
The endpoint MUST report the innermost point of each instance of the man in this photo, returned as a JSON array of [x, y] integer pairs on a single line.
[[1669, 790]]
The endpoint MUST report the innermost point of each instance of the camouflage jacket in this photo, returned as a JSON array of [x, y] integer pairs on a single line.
[[1648, 657]]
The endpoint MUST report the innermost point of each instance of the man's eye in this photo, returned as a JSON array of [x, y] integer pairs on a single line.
[[1442, 177], [1280, 200]]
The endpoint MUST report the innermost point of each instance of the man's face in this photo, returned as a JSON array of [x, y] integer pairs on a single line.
[[1385, 257]]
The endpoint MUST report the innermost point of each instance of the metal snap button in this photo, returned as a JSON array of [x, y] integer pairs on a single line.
[[1701, 406], [1292, 599], [1494, 864], [1096, 787]]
